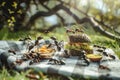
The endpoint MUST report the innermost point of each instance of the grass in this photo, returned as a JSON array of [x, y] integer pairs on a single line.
[[5, 75], [61, 35]]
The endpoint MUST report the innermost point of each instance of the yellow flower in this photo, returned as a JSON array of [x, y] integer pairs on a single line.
[[14, 5], [13, 19], [10, 24], [3, 3], [11, 12], [8, 20], [19, 11]]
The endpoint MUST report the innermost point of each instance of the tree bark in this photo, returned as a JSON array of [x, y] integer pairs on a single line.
[[61, 18]]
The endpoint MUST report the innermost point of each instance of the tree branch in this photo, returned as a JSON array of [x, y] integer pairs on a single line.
[[42, 14], [51, 12], [99, 28], [107, 26], [61, 18], [68, 4]]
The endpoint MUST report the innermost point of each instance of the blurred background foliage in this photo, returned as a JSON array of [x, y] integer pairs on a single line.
[[41, 15]]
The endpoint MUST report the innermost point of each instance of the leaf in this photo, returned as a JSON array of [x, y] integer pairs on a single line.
[[8, 20], [3, 3], [110, 17], [19, 11], [11, 24], [10, 11], [98, 16], [13, 19], [14, 5]]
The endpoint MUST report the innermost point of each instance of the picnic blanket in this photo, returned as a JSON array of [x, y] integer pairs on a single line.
[[74, 66]]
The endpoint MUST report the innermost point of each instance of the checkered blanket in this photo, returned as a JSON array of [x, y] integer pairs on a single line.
[[74, 66]]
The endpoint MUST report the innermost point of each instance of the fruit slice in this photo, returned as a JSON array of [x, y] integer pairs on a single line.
[[94, 57]]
